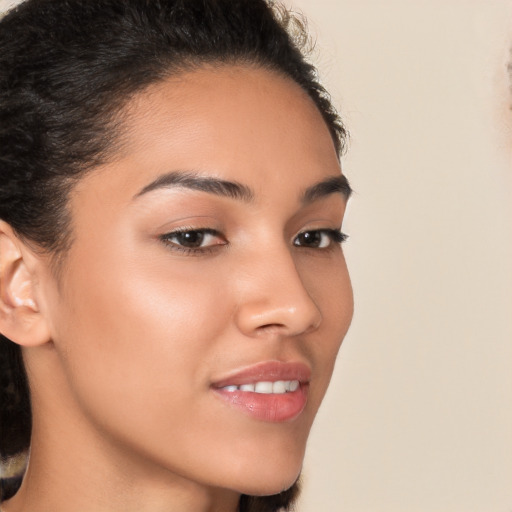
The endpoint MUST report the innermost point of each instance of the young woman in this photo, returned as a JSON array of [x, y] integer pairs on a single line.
[[173, 288]]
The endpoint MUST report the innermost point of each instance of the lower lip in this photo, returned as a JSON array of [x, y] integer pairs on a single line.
[[272, 408]]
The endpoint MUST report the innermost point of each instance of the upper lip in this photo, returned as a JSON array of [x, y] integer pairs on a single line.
[[268, 371]]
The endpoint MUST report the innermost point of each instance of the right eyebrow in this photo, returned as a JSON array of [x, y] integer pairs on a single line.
[[193, 181]]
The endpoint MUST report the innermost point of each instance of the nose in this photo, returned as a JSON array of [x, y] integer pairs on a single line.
[[274, 299]]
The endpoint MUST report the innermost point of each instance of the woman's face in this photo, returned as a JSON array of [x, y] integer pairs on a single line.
[[205, 258]]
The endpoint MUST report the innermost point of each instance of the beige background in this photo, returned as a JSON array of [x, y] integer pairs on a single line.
[[419, 416]]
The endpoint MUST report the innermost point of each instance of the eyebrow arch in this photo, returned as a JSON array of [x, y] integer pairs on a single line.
[[333, 185], [194, 181]]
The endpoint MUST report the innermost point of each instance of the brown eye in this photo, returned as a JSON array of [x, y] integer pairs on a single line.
[[193, 239], [319, 238], [311, 239]]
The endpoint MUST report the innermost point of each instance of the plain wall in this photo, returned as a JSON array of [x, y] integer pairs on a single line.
[[419, 415]]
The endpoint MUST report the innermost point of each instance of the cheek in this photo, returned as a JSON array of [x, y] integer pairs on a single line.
[[133, 338], [328, 284]]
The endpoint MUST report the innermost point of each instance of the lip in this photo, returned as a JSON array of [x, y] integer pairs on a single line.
[[266, 371], [273, 408]]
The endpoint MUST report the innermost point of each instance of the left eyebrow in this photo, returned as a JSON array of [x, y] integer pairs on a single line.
[[334, 185]]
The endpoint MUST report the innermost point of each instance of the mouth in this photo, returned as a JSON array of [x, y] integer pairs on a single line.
[[272, 391]]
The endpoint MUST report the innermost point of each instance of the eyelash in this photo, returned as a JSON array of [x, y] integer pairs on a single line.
[[336, 237]]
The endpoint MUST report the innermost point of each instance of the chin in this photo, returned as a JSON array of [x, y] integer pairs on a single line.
[[272, 488], [263, 464], [270, 477], [267, 488]]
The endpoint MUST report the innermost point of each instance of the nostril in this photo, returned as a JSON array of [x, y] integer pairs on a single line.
[[271, 328]]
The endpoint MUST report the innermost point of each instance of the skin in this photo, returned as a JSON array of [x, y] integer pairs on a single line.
[[127, 341]]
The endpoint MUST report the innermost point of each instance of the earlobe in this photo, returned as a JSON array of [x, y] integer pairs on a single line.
[[20, 317]]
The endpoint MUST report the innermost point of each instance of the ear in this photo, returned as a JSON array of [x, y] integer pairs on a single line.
[[20, 317]]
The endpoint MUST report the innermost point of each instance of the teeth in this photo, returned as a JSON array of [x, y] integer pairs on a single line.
[[277, 388], [263, 387], [294, 385], [280, 387]]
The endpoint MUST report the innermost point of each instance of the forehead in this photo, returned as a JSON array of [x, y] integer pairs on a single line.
[[243, 124]]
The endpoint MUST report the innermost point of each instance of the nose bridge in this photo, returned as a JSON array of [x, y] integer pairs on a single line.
[[273, 295]]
